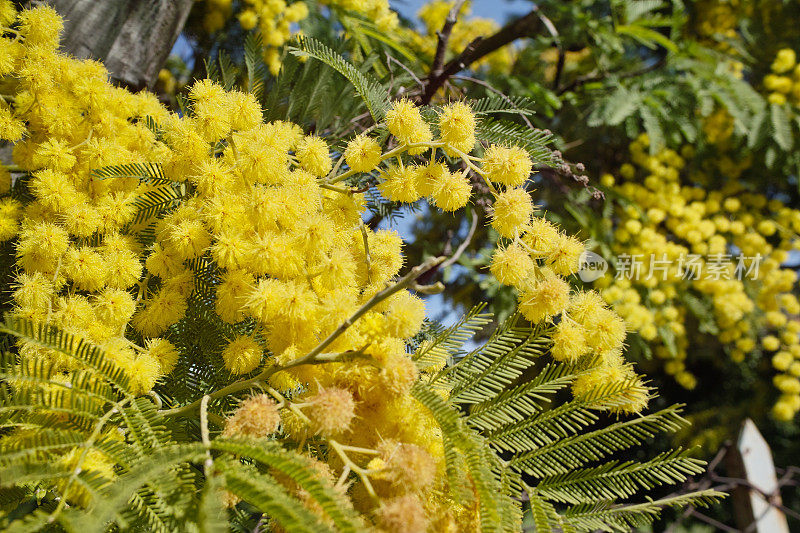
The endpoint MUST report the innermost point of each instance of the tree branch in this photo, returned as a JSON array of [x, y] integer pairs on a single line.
[[480, 48], [444, 38]]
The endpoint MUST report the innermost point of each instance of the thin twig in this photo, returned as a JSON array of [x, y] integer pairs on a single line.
[[708, 520], [464, 245], [391, 59], [208, 464], [496, 91]]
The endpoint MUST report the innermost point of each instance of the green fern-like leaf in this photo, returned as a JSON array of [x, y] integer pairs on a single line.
[[151, 173], [300, 471], [157, 201], [370, 91], [70, 345], [534, 141], [435, 352], [254, 65]]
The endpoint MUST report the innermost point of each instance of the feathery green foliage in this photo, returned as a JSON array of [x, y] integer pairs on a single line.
[[504, 401], [503, 419]]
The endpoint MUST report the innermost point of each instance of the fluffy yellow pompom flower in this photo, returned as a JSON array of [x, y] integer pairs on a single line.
[[245, 110], [457, 126], [606, 330], [776, 98], [785, 60], [82, 220], [85, 268], [362, 154], [569, 342], [93, 462], [770, 343], [313, 155], [512, 211], [163, 262], [783, 411], [330, 411], [161, 311], [248, 19], [242, 355], [33, 291], [429, 177], [52, 188], [403, 514], [124, 268], [400, 184], [11, 128], [407, 465], [398, 374], [257, 416], [782, 360], [452, 191], [540, 235], [509, 166], [164, 352], [228, 251], [565, 256], [585, 304], [55, 154], [189, 238], [144, 370], [511, 265], [40, 26], [544, 299], [114, 307], [406, 123], [405, 314]]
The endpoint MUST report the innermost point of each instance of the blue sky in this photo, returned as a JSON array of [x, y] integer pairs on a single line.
[[499, 10]]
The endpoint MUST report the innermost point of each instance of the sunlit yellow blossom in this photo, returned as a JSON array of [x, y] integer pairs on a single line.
[[509, 166]]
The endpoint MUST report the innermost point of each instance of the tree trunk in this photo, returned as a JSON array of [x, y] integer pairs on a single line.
[[131, 37]]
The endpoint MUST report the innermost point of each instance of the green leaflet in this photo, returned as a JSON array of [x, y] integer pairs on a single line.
[[368, 89]]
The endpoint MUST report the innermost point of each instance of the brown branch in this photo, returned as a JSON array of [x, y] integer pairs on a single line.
[[444, 38], [480, 48]]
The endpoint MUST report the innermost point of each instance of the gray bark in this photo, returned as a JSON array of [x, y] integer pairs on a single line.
[[131, 37]]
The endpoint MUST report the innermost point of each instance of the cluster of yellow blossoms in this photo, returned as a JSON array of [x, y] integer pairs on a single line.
[[717, 18], [678, 246], [716, 22], [274, 19], [251, 229], [783, 83]]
